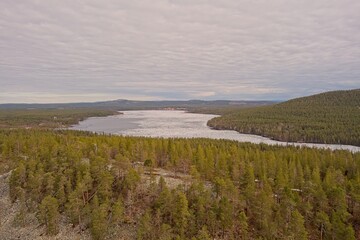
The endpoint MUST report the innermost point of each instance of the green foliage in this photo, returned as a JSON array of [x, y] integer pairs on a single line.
[[243, 226], [297, 228], [145, 227], [131, 180], [48, 214], [340, 229], [148, 163], [48, 118], [238, 190], [180, 213], [203, 234], [332, 117], [99, 223], [323, 225], [118, 211]]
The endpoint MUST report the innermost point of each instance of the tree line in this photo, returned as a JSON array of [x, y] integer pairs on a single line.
[[48, 118]]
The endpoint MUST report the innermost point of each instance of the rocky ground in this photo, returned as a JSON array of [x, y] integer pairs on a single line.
[[10, 229]]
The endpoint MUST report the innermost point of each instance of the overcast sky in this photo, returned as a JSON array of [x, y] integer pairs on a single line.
[[89, 50]]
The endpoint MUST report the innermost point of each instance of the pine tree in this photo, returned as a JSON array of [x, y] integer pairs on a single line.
[[323, 225], [180, 213], [225, 214], [48, 214], [117, 211], [132, 178], [297, 227], [145, 228], [242, 226], [165, 232], [17, 178], [203, 234], [74, 208], [164, 204], [99, 222], [20, 216], [60, 191], [341, 230]]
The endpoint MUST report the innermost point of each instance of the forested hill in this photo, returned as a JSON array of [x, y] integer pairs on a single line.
[[331, 117], [346, 98]]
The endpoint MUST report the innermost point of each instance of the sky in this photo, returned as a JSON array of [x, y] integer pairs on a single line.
[[91, 50]]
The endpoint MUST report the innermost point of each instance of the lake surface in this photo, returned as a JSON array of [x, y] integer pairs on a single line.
[[177, 124]]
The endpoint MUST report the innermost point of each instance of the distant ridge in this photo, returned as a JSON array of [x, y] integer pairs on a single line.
[[123, 104], [331, 117]]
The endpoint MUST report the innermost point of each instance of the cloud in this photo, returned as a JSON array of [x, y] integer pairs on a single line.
[[166, 49]]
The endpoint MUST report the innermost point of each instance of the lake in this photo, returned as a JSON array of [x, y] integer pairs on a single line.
[[177, 124]]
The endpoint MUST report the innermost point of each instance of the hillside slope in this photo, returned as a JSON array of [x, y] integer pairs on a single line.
[[331, 117]]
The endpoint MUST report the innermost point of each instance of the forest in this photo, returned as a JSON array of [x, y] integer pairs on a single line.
[[48, 118], [331, 117], [233, 190]]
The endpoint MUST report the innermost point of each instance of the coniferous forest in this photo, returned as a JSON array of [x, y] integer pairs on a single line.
[[227, 190], [331, 117], [48, 118]]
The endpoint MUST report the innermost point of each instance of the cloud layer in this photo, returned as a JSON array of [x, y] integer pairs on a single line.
[[77, 50]]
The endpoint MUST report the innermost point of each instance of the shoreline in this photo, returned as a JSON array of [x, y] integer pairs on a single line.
[[206, 132]]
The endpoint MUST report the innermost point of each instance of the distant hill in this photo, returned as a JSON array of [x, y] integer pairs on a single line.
[[122, 104], [65, 114], [331, 117]]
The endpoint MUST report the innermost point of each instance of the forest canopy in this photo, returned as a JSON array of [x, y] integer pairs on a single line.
[[48, 118], [331, 117], [236, 190]]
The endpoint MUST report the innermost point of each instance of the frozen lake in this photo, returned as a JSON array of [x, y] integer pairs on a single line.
[[177, 124]]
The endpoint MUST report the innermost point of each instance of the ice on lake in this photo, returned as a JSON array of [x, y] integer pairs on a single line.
[[177, 124]]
